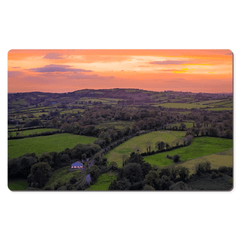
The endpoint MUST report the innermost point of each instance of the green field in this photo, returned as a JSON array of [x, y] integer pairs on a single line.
[[62, 176], [17, 184], [72, 111], [217, 160], [200, 147], [220, 109], [33, 131], [183, 105], [103, 182], [140, 141], [52, 143]]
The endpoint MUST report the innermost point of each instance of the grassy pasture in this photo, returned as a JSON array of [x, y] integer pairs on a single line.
[[62, 176], [183, 105], [217, 160], [103, 100], [33, 131], [103, 182], [220, 109], [41, 144], [140, 141], [17, 184], [72, 111], [200, 147], [19, 102]]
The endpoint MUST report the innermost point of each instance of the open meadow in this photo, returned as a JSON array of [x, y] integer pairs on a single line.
[[217, 160], [200, 147], [41, 144], [33, 131], [140, 143]]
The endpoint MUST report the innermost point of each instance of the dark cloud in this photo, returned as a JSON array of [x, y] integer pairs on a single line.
[[14, 73], [229, 53], [53, 55], [170, 62], [91, 76], [57, 68]]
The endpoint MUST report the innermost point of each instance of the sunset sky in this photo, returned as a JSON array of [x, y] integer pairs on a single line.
[[155, 70]]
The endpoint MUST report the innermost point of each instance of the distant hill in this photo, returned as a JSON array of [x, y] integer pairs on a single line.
[[119, 95]]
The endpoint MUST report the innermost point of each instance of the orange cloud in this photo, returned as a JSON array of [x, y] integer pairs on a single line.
[[69, 70]]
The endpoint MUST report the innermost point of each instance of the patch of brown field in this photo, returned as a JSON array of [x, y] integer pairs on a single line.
[[217, 160]]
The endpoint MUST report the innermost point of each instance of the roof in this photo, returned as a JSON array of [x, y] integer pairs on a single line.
[[77, 164]]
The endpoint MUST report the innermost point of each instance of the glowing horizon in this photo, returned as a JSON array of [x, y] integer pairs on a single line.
[[59, 71]]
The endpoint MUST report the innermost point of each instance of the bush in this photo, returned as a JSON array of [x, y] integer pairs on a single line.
[[203, 167], [183, 173], [113, 166], [152, 179], [214, 175], [122, 184], [148, 188], [176, 158], [73, 180]]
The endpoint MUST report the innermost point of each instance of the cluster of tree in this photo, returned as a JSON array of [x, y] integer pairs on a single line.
[[163, 147], [22, 167], [139, 175]]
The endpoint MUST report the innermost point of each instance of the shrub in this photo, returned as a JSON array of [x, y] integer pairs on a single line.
[[176, 158], [152, 178], [214, 175], [73, 180], [183, 173], [148, 188], [203, 167]]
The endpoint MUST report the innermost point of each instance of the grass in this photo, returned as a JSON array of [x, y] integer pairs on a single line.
[[103, 182], [200, 147], [140, 141], [34, 131], [183, 105], [72, 111], [62, 176], [217, 160], [52, 143], [17, 184], [220, 109], [20, 102]]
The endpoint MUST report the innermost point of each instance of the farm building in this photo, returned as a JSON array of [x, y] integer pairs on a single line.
[[77, 164]]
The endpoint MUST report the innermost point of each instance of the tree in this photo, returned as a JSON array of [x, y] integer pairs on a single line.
[[148, 145], [160, 145], [152, 179], [84, 156], [183, 173], [167, 146], [183, 126], [94, 172], [176, 158], [133, 172]]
